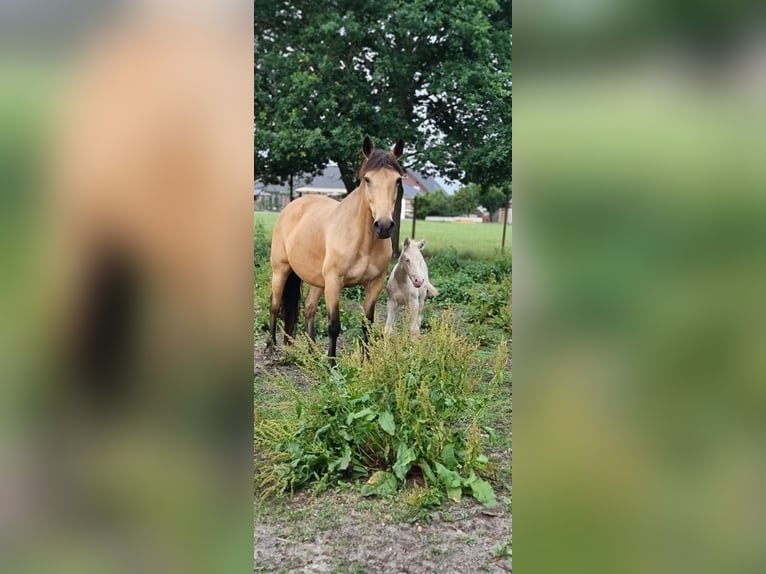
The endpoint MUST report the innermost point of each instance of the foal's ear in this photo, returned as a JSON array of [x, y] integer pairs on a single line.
[[406, 241], [421, 244], [367, 147], [398, 148]]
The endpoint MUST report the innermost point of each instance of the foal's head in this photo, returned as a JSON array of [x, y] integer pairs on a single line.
[[411, 260], [380, 176]]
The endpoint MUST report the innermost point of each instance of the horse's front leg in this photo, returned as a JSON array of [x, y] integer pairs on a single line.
[[332, 289], [371, 292]]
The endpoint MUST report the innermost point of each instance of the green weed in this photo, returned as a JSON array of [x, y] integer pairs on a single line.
[[411, 411]]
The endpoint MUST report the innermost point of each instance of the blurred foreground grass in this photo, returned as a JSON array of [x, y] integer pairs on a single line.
[[640, 374]]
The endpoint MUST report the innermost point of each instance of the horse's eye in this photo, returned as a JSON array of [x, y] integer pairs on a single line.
[[406, 259], [367, 180]]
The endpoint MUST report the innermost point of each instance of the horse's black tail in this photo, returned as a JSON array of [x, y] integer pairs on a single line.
[[290, 303]]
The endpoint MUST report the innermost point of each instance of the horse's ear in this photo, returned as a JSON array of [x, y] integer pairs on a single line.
[[367, 147], [421, 244], [398, 148], [406, 241]]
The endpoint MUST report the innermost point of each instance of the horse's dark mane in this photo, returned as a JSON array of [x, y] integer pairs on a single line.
[[380, 159]]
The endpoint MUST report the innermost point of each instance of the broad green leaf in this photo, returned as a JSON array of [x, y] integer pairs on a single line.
[[483, 492], [359, 414], [386, 422], [427, 472], [448, 457], [405, 456], [455, 494], [450, 478], [359, 470], [345, 459], [381, 483]]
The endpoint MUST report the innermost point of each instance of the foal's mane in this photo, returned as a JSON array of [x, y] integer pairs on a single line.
[[380, 159]]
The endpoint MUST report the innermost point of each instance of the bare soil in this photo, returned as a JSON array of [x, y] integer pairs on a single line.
[[343, 532]]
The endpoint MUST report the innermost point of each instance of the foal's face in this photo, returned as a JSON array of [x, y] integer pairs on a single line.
[[413, 263], [381, 186]]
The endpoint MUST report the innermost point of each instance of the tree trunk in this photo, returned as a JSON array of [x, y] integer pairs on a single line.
[[347, 176], [398, 219], [291, 188], [505, 224], [414, 215]]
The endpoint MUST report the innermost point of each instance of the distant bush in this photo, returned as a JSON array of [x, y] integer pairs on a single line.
[[435, 203]]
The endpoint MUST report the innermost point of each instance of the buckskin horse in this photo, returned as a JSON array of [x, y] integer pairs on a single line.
[[331, 245]]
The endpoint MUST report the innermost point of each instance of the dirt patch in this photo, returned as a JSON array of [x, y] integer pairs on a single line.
[[346, 533]]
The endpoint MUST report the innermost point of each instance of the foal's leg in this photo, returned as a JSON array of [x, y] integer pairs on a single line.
[[421, 303], [332, 289], [312, 300], [371, 292], [278, 280], [414, 314], [392, 306]]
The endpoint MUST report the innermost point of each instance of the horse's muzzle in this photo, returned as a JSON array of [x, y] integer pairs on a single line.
[[383, 228]]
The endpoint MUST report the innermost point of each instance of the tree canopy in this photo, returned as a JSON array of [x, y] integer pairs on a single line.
[[437, 74]]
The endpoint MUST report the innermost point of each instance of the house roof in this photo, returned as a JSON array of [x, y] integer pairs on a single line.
[[329, 180]]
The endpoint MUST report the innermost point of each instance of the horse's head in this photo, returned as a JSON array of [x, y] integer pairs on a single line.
[[380, 176], [411, 260]]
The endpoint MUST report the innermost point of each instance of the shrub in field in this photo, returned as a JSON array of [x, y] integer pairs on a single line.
[[410, 412], [261, 245], [457, 276], [490, 303], [261, 276]]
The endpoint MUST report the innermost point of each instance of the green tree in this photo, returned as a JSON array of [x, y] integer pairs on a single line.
[[466, 199], [494, 197], [435, 203], [436, 74]]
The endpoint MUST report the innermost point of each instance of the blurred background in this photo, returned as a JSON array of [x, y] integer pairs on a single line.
[[639, 246], [126, 286]]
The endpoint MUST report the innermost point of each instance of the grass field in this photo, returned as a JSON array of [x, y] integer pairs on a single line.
[[469, 239]]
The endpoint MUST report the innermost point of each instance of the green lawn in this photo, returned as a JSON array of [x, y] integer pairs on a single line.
[[472, 239]]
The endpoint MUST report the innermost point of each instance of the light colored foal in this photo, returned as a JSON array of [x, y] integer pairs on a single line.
[[408, 285]]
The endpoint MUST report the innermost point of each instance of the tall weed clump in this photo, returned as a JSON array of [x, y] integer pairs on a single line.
[[261, 275], [408, 413]]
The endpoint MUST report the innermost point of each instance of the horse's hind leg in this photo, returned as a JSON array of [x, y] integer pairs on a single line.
[[291, 295], [312, 300], [278, 280]]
